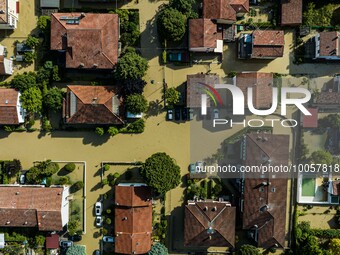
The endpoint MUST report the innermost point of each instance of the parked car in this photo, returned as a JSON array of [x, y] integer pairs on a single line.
[[184, 114], [75, 238], [99, 221], [216, 114], [191, 114], [170, 114], [99, 208], [108, 239], [96, 252], [177, 114], [66, 244], [178, 57], [22, 179]]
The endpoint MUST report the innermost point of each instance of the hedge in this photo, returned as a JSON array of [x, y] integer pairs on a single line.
[[326, 233]]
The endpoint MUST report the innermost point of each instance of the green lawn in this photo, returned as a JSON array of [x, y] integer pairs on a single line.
[[308, 187]]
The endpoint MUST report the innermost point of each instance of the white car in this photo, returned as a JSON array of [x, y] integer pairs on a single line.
[[22, 179], [99, 208], [99, 221]]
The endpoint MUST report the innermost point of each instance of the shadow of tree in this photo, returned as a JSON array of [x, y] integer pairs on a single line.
[[155, 108], [99, 185]]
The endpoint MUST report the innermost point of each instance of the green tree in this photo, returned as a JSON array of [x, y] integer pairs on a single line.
[[44, 23], [108, 221], [331, 120], [76, 250], [185, 7], [112, 131], [11, 168], [29, 57], [136, 103], [24, 81], [32, 100], [171, 96], [100, 131], [33, 175], [247, 249], [53, 99], [161, 172], [55, 73], [334, 246], [321, 157], [69, 167], [133, 86], [131, 66], [158, 249], [171, 24], [32, 41], [39, 240], [77, 186]]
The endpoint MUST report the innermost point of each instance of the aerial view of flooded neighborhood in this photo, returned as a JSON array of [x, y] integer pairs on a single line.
[[167, 127]]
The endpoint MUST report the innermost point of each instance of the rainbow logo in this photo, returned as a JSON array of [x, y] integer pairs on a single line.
[[212, 93]]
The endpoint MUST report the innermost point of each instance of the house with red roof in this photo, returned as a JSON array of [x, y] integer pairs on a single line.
[[46, 209], [264, 196], [93, 105], [11, 111], [310, 121], [225, 11], [327, 45], [209, 224], [261, 44], [291, 12], [86, 40], [133, 219]]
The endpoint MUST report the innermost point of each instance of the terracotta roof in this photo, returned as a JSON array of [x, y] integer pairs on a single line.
[[31, 207], [92, 43], [310, 121], [328, 98], [194, 87], [132, 196], [133, 222], [203, 33], [291, 12], [8, 111], [92, 105], [268, 43], [265, 210], [3, 16], [262, 84], [263, 149], [240, 5], [266, 148], [200, 216], [218, 9], [52, 241], [329, 43]]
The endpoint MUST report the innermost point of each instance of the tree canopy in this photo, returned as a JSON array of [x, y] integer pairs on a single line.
[[31, 100], [185, 7], [76, 250], [161, 172], [158, 249], [171, 24], [131, 66], [321, 157], [248, 250], [136, 103], [24, 81], [53, 99], [334, 246], [133, 86], [171, 96], [331, 120]]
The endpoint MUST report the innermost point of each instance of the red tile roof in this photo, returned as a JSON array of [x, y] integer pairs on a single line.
[[133, 220], [310, 121], [202, 33], [291, 12], [329, 43], [268, 43], [31, 207], [328, 98], [262, 84], [262, 191], [194, 87], [92, 43], [240, 5], [8, 107], [201, 216], [52, 241], [132, 196], [93, 105], [218, 9]]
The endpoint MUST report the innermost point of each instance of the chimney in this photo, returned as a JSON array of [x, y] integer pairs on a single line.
[[95, 65], [82, 15], [17, 193], [6, 101], [81, 65], [8, 222], [214, 209], [125, 218], [25, 223], [206, 208]]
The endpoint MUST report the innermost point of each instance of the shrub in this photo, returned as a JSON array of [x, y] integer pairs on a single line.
[[29, 57], [106, 167], [46, 125], [105, 231], [112, 183], [77, 186], [72, 226], [39, 240], [44, 23], [105, 182], [108, 211], [32, 41], [112, 131], [48, 181], [69, 167], [100, 131], [108, 221], [63, 180], [134, 127], [116, 175]]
